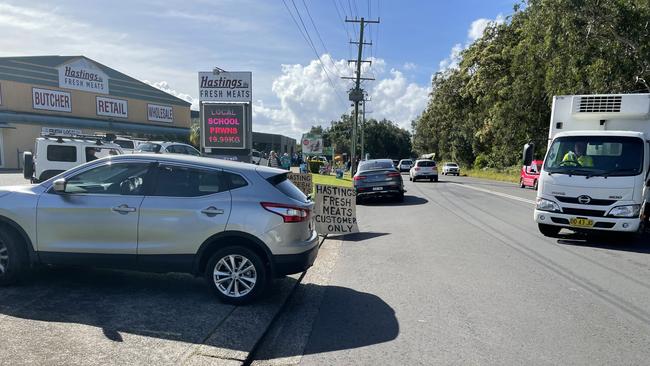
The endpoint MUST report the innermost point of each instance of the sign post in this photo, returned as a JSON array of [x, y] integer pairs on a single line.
[[335, 211], [226, 114]]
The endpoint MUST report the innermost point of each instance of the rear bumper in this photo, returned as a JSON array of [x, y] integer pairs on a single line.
[[287, 264], [600, 223], [386, 190]]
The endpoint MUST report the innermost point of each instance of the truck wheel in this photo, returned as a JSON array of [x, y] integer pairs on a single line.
[[549, 230], [236, 275], [13, 258], [435, 179]]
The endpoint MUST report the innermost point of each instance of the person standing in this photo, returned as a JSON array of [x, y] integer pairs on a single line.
[[285, 161], [274, 161]]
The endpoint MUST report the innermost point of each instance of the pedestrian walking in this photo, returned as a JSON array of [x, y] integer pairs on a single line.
[[274, 160]]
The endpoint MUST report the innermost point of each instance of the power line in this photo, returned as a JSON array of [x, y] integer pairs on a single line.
[[320, 38], [311, 44]]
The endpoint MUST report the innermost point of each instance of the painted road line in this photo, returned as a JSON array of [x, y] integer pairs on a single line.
[[495, 193]]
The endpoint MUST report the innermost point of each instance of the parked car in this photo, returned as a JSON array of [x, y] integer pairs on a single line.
[[129, 145], [529, 174], [56, 154], [378, 177], [405, 165], [257, 158], [424, 169], [396, 164], [450, 168], [237, 225], [167, 147]]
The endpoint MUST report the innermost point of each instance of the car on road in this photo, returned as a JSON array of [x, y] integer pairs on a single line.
[[128, 144], [405, 165], [237, 225], [378, 178], [56, 154], [167, 147], [450, 168], [529, 175], [424, 169]]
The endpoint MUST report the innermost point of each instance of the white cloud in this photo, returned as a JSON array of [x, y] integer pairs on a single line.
[[306, 98], [474, 32], [409, 66], [164, 86]]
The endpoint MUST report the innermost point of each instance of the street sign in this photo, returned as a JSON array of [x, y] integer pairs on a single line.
[[335, 211], [225, 86]]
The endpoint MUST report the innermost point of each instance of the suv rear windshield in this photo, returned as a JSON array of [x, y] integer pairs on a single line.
[[149, 147], [376, 165], [284, 185], [124, 144], [407, 162], [426, 163]]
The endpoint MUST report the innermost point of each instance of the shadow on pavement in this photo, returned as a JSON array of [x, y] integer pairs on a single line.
[[174, 307], [350, 319], [390, 201], [608, 241], [362, 236]]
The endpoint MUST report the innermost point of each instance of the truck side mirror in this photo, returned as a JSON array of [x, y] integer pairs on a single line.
[[647, 184], [529, 150], [59, 185]]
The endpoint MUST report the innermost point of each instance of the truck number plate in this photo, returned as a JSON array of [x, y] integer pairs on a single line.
[[581, 222]]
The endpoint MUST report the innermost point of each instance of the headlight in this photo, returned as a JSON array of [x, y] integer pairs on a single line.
[[625, 211], [546, 205]]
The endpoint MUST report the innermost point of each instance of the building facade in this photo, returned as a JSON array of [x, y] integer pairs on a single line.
[[267, 142], [41, 94]]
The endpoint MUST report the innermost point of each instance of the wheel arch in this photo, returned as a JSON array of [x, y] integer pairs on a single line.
[[15, 227], [226, 238]]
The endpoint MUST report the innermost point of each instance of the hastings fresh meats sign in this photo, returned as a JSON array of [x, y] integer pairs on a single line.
[[336, 210], [224, 126], [82, 74], [225, 87]]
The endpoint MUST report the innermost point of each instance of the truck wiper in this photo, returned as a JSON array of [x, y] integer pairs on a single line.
[[596, 173], [621, 170]]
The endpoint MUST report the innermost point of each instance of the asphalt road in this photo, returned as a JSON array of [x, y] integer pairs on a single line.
[[459, 274]]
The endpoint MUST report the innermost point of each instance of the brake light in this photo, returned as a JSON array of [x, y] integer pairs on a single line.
[[359, 177], [288, 213], [394, 175], [417, 169]]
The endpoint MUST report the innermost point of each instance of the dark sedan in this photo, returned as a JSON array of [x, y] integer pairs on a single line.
[[378, 178]]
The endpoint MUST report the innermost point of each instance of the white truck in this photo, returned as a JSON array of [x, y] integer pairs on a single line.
[[595, 174]]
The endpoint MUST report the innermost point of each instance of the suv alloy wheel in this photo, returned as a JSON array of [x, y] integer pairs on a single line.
[[13, 260], [236, 274]]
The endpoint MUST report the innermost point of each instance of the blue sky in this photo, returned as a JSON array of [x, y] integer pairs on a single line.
[[167, 42]]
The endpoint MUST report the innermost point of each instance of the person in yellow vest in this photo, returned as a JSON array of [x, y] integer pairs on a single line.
[[578, 156]]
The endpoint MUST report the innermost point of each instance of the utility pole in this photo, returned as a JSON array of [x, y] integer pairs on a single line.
[[356, 94], [363, 128]]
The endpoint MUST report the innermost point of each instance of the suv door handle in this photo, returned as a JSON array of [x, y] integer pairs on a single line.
[[123, 209], [211, 211]]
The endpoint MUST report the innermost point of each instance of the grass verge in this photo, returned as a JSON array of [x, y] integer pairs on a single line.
[[331, 180], [505, 175]]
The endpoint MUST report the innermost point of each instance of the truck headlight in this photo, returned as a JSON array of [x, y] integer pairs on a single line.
[[547, 205], [625, 211]]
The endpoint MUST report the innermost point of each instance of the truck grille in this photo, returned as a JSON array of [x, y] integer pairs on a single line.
[[599, 104], [581, 212], [594, 202]]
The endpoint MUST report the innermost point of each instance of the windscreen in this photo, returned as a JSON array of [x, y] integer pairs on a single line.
[[376, 165], [596, 156], [149, 147], [426, 163]]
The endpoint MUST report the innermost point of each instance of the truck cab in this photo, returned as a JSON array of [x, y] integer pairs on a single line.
[[595, 174]]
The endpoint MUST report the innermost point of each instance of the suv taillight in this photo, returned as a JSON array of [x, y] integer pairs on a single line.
[[288, 213], [394, 175], [359, 177]]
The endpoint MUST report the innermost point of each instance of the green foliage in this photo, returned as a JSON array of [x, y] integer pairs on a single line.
[[481, 162], [500, 96]]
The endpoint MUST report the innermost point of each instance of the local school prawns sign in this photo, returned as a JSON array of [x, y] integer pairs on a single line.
[[336, 210], [224, 126]]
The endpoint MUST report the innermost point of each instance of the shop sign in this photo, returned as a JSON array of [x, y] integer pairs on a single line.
[[335, 211], [225, 86], [301, 180], [160, 113], [224, 126], [51, 100], [81, 74], [312, 144], [112, 107]]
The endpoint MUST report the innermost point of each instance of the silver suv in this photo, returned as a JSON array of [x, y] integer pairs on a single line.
[[236, 224]]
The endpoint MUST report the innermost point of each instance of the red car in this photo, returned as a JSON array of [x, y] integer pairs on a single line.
[[529, 174]]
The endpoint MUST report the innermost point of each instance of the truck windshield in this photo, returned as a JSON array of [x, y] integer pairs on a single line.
[[596, 156]]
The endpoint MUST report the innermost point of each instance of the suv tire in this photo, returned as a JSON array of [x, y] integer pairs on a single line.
[[13, 258], [230, 285]]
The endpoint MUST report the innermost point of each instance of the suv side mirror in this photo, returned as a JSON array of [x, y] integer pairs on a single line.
[[59, 185], [529, 150]]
